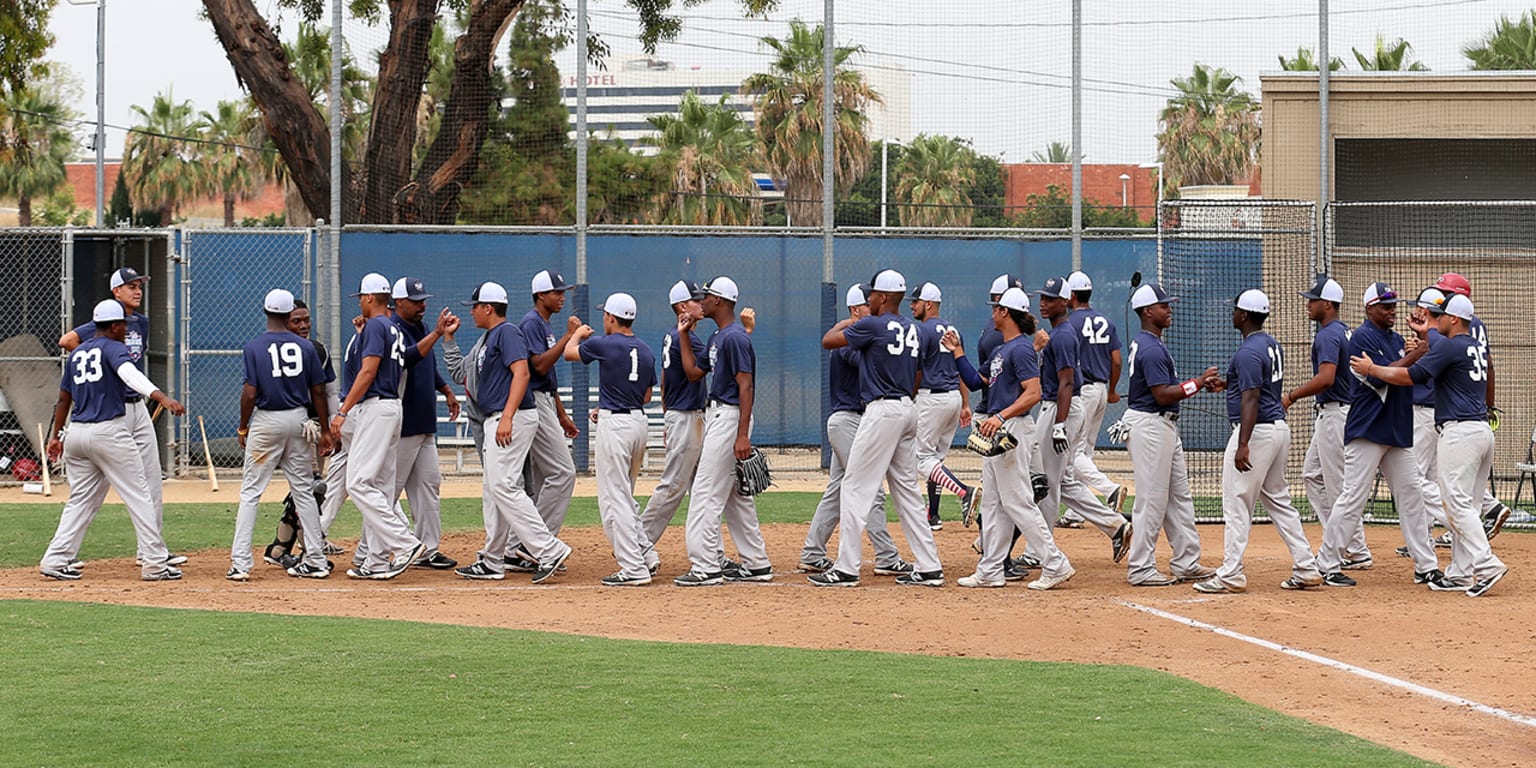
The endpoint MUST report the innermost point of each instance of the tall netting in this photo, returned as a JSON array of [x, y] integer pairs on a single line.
[[1211, 251]]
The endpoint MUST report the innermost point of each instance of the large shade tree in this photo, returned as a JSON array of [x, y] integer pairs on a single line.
[[788, 110], [1209, 132], [933, 182], [1511, 44], [231, 170], [395, 187], [711, 151]]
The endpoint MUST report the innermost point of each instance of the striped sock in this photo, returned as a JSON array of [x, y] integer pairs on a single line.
[[947, 480]]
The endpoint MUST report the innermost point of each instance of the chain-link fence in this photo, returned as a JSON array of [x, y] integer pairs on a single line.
[[30, 324]]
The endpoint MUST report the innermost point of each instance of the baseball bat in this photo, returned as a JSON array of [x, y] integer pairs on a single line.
[[43, 445], [213, 479], [158, 408]]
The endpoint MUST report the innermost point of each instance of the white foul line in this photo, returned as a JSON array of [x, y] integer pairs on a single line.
[[1339, 665]]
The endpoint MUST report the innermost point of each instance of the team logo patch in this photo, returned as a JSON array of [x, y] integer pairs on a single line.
[[996, 368], [135, 342]]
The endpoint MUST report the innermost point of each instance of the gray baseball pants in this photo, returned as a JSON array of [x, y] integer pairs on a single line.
[[371, 462], [554, 470], [1426, 443], [420, 476], [1466, 457], [938, 418], [713, 498], [98, 456], [620, 447], [136, 415], [1362, 458], [276, 441], [884, 446], [841, 428], [1163, 502], [1065, 487], [1322, 472], [505, 505], [335, 479], [683, 435], [1009, 503], [1241, 492], [1095, 399]]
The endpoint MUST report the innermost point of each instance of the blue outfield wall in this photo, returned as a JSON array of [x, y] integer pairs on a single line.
[[779, 276]]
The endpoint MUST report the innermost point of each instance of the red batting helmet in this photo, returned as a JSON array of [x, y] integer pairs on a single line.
[[1454, 283], [26, 470]]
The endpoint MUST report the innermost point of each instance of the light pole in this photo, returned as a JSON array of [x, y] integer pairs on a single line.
[[1124, 179], [100, 139], [885, 155]]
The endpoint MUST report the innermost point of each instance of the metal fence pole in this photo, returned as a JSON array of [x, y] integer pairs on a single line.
[[581, 394], [1077, 134], [1323, 144], [828, 211]]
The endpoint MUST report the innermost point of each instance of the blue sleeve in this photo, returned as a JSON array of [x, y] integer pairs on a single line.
[[116, 355], [509, 345], [862, 333], [968, 373], [1027, 361], [1328, 347], [251, 362], [1250, 370], [412, 353], [85, 331], [374, 340], [1114, 336], [1063, 351], [591, 349], [1157, 368], [1440, 357], [739, 351]]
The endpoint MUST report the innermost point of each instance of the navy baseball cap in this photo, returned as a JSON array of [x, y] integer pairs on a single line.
[[1055, 288], [410, 288], [125, 276]]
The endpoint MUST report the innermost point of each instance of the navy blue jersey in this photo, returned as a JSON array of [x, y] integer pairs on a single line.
[[418, 399], [843, 380], [90, 377], [1379, 412], [1331, 345], [991, 338], [1258, 364], [1097, 338], [888, 347], [1150, 366], [1012, 365], [1458, 366], [379, 338], [938, 364], [1060, 353], [729, 353], [677, 392], [539, 337], [135, 340], [626, 370], [1424, 391], [504, 345], [282, 366]]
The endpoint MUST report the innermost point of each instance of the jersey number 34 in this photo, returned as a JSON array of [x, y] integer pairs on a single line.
[[904, 342]]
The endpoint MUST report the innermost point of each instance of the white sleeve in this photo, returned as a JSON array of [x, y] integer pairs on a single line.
[[135, 379]]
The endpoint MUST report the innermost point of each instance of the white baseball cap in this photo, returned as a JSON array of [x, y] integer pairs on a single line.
[[857, 295], [547, 280], [888, 281], [125, 276], [373, 282], [927, 292], [1078, 281], [1326, 289], [1378, 293], [1003, 282], [487, 293], [1150, 293], [107, 311], [724, 287], [684, 290], [1013, 298], [1459, 306], [1252, 300], [1432, 299], [409, 288], [620, 305], [278, 302]]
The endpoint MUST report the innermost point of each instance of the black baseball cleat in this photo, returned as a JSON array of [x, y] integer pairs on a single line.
[[1429, 576], [833, 578], [547, 570], [1338, 579], [743, 573], [1120, 543], [921, 579], [1481, 586], [697, 578], [437, 561], [1494, 521]]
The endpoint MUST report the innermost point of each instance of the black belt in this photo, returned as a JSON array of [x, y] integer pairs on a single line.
[[936, 391], [718, 401], [1256, 423], [621, 410], [1169, 416]]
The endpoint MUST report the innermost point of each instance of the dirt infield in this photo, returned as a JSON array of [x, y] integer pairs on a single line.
[[1476, 649]]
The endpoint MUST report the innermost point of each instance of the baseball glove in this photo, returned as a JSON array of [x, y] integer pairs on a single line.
[[312, 431], [1493, 418], [1041, 485], [753, 475], [1119, 431], [998, 444]]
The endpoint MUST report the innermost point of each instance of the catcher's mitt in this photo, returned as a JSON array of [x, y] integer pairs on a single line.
[[1042, 487], [753, 475], [998, 444]]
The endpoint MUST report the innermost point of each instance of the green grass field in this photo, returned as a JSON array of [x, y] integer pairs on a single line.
[[101, 685]]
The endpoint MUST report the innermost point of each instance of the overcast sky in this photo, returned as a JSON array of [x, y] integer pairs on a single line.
[[994, 71]]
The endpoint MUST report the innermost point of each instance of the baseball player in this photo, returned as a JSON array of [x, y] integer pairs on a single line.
[[283, 379], [890, 351], [626, 373], [942, 405], [987, 343], [842, 425], [1378, 435], [732, 363], [1013, 388], [461, 369], [684, 393], [417, 472], [1254, 463], [1456, 363], [1060, 427], [281, 552], [1426, 437], [1099, 350], [1163, 502], [100, 449], [371, 375], [502, 392], [128, 289], [1322, 471], [552, 472]]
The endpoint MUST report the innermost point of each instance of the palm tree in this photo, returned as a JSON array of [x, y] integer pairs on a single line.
[[161, 165], [934, 178], [788, 107], [1054, 152], [711, 151], [1511, 45], [231, 169], [31, 129], [1306, 61], [1395, 56], [1210, 131]]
